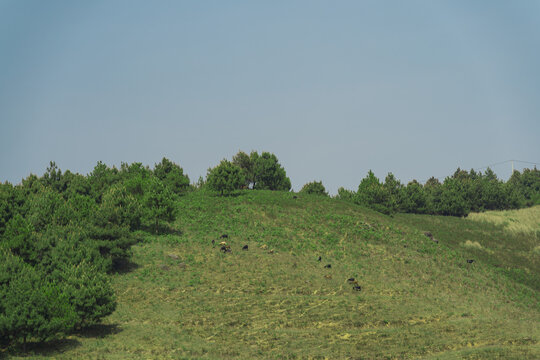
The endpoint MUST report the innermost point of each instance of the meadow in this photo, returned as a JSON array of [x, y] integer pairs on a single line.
[[183, 298]]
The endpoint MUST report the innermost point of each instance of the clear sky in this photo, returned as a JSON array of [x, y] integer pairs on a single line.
[[333, 88]]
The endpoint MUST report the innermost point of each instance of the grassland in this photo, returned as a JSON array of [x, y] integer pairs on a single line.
[[183, 298]]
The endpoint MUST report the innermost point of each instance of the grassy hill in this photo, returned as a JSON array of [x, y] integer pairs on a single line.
[[184, 298]]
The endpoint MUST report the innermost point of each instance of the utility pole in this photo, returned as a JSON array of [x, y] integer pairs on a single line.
[[512, 166]]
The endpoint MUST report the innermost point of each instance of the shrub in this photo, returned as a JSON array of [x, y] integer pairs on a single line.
[[315, 188], [345, 194]]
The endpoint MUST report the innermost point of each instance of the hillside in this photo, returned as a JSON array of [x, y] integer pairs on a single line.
[[184, 298]]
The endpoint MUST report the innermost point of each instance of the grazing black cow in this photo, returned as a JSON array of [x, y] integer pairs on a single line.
[[357, 288], [320, 258], [428, 234], [213, 242], [327, 266], [470, 261], [351, 280], [226, 248], [245, 247], [224, 236]]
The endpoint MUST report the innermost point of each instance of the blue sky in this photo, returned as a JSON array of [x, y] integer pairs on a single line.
[[334, 89]]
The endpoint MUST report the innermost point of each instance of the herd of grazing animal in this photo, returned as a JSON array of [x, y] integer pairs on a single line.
[[432, 238], [225, 248], [351, 280]]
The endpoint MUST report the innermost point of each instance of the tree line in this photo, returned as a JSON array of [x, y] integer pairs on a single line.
[[458, 195], [63, 233]]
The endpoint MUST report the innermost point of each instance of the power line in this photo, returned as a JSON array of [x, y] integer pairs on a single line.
[[494, 164], [507, 161], [526, 162]]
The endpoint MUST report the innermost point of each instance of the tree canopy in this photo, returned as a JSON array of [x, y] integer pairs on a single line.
[[315, 188], [225, 178]]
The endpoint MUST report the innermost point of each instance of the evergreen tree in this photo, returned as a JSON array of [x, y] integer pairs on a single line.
[[413, 198], [87, 289], [6, 205], [371, 193], [433, 191], [31, 308], [101, 178], [225, 178], [159, 202], [20, 239], [452, 198], [172, 176], [135, 177], [119, 207], [269, 174], [246, 163]]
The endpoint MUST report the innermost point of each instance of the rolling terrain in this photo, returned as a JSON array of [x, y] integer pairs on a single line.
[[182, 297]]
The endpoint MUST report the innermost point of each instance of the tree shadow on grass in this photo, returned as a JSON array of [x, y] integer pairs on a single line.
[[44, 348], [99, 331], [124, 266], [54, 347]]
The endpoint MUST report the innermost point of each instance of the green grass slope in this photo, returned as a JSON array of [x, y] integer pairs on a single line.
[[185, 299]]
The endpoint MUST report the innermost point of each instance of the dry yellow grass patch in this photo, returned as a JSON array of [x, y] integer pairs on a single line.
[[472, 244], [516, 221]]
